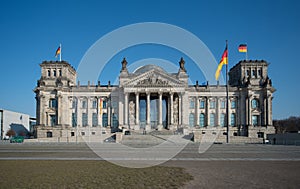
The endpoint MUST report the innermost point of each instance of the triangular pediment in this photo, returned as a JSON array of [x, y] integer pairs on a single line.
[[154, 78]]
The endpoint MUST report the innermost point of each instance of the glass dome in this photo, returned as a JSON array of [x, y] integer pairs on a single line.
[[147, 68]]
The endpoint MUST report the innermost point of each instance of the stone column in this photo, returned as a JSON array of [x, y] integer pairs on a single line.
[[171, 109], [59, 110], [89, 111], [148, 126], [249, 112], [99, 111], [42, 110], [265, 113], [108, 107], [246, 112], [126, 111], [160, 126], [137, 111], [180, 109], [206, 112], [217, 115], [197, 111]]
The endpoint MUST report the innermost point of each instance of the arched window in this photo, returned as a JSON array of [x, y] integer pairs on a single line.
[[59, 73], [232, 119], [54, 73], [191, 120], [49, 73], [222, 120], [255, 103], [212, 119], [202, 120]]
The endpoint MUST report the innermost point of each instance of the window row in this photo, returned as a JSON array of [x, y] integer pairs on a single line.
[[254, 72], [212, 104], [54, 73], [212, 120], [84, 120], [103, 104]]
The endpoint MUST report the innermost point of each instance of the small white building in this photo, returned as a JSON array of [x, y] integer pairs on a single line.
[[19, 122]]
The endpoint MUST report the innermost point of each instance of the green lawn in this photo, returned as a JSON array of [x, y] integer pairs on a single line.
[[86, 174]]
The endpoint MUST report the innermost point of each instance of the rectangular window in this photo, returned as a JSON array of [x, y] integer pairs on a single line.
[[232, 119], [254, 74], [222, 120], [223, 104], [52, 120], [94, 104], [255, 120], [212, 119], [84, 104], [192, 104], [212, 104], [248, 73], [73, 104], [95, 119], [115, 120], [233, 104], [202, 120], [104, 104], [72, 133], [84, 119], [53, 103], [202, 104], [74, 119], [259, 73]]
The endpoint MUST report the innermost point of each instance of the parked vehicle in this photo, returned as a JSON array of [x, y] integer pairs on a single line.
[[17, 139]]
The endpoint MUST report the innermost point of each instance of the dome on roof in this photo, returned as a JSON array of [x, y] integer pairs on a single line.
[[147, 68]]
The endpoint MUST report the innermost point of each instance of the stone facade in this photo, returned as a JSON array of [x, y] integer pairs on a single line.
[[152, 99]]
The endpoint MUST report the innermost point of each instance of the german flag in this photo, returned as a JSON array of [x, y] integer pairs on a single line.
[[243, 48], [57, 51], [224, 60]]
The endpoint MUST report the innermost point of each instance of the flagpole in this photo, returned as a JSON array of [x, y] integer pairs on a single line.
[[60, 52], [246, 52], [227, 98]]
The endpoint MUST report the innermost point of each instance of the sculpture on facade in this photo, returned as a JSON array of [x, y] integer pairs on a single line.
[[131, 113]]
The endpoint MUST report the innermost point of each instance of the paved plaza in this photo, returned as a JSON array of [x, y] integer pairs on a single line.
[[222, 165]]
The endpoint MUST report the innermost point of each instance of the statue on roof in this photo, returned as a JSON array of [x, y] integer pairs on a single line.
[[181, 64]]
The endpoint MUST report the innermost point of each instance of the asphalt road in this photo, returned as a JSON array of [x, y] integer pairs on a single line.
[[221, 166]]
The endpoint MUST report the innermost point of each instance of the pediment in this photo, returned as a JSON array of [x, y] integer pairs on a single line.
[[154, 78]]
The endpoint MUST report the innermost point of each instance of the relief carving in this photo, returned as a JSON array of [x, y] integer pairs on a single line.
[[153, 80]]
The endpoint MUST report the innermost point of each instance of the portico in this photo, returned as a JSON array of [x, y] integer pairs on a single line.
[[151, 109]]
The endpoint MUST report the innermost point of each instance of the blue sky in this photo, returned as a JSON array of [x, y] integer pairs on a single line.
[[32, 30]]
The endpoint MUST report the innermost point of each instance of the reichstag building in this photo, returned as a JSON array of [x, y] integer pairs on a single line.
[[151, 99]]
